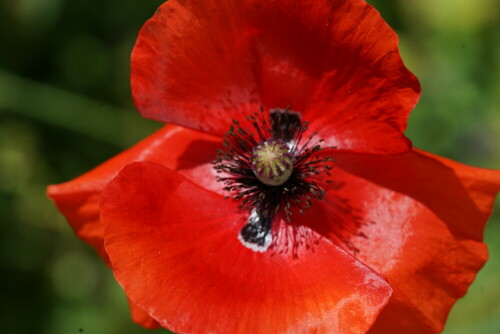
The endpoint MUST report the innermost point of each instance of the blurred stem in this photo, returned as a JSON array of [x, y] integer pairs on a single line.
[[71, 112]]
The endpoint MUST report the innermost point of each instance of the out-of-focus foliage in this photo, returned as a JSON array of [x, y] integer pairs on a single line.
[[65, 107]]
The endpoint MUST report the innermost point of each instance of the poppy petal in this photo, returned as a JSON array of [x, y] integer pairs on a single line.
[[359, 93], [142, 318], [201, 63], [187, 151], [421, 227], [181, 149], [192, 66], [174, 249]]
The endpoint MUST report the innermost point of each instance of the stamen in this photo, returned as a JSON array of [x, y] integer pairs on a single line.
[[269, 170]]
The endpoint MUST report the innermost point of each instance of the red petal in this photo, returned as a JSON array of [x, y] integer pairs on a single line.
[[184, 150], [142, 318], [359, 93], [201, 63], [174, 249], [423, 218], [192, 66], [180, 149]]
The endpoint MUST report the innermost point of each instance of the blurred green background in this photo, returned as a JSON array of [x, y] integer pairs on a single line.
[[65, 107]]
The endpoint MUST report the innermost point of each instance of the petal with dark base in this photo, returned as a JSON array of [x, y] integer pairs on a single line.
[[174, 249], [200, 64]]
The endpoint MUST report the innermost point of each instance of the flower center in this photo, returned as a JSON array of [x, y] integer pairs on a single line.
[[271, 162], [272, 171]]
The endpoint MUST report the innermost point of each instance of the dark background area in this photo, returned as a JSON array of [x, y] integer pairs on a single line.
[[65, 107]]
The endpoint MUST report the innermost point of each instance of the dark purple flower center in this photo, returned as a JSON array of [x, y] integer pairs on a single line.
[[271, 170]]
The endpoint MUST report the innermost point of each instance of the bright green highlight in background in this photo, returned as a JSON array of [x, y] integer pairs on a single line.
[[65, 107]]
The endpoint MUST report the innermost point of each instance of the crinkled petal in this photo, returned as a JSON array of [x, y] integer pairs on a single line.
[[187, 151], [174, 248], [417, 220], [201, 63]]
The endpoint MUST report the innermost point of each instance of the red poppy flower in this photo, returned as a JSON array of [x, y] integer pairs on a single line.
[[385, 242]]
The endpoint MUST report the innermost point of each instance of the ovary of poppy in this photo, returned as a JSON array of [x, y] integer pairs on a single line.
[[397, 237]]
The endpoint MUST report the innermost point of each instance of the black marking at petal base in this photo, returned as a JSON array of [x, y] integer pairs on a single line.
[[284, 124], [256, 234]]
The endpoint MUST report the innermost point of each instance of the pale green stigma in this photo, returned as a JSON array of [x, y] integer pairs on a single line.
[[272, 162]]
